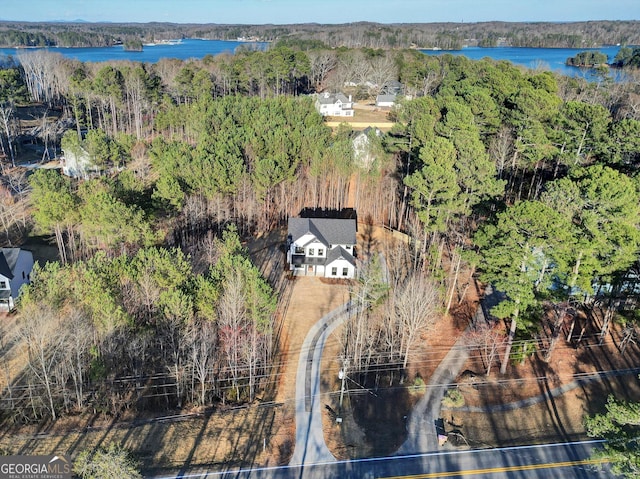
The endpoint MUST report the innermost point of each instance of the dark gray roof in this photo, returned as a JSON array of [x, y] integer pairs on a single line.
[[8, 260], [337, 253], [329, 231], [369, 129], [392, 87]]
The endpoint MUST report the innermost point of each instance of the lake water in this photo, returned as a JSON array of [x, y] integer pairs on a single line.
[[184, 49], [548, 58]]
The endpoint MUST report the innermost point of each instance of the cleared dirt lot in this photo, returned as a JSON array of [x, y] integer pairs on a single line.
[[364, 116], [586, 370]]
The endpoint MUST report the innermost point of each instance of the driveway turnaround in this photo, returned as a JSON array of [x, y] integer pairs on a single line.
[[421, 428]]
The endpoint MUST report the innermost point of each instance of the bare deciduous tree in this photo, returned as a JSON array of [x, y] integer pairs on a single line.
[[45, 75], [234, 330], [383, 71], [9, 130], [45, 339], [416, 304], [369, 290], [488, 341], [202, 340], [501, 148], [76, 354], [322, 62]]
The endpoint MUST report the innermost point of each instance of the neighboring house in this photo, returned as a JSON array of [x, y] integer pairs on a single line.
[[393, 88], [385, 101], [363, 154], [78, 164], [15, 267], [322, 247], [334, 104]]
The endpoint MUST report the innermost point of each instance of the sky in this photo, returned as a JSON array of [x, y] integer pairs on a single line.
[[321, 11]]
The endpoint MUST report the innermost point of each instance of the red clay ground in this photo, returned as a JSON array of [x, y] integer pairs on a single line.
[[555, 418]]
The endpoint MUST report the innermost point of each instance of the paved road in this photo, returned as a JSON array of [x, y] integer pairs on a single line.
[[566, 461]]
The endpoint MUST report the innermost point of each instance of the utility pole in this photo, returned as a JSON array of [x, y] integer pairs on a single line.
[[342, 376]]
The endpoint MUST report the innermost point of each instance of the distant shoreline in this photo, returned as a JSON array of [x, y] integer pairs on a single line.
[[119, 44], [412, 47], [441, 35]]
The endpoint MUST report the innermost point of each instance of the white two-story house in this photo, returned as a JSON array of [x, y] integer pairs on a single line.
[[15, 267], [78, 164], [322, 247], [334, 104]]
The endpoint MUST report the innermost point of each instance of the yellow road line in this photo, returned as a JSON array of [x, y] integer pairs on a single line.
[[526, 467]]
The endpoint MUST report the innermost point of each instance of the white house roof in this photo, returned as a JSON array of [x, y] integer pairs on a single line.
[[331, 98], [329, 231]]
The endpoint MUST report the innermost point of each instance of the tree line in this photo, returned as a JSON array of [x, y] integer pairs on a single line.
[[352, 35], [142, 330], [627, 57]]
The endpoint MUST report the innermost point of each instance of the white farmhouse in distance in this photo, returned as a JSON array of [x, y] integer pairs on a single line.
[[334, 104], [78, 164], [363, 154], [322, 247]]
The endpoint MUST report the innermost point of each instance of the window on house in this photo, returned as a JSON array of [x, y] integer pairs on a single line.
[[345, 271], [347, 247], [310, 269], [312, 251], [320, 252], [299, 250], [3, 285], [23, 275], [334, 271]]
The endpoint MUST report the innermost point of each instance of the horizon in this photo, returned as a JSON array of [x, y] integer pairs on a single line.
[[332, 12], [81, 21]]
